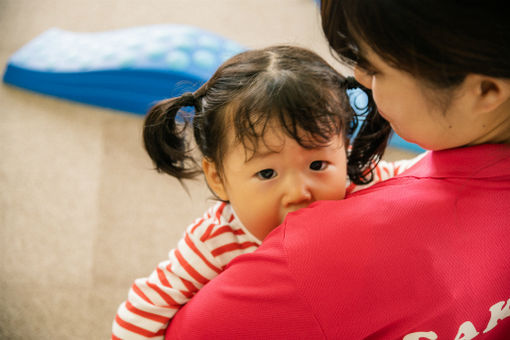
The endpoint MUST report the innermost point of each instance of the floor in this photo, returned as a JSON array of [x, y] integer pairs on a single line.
[[82, 213]]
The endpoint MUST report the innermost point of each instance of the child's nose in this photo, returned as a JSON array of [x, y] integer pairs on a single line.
[[297, 192]]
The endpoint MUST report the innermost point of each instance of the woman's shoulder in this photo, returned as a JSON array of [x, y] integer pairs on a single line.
[[390, 205]]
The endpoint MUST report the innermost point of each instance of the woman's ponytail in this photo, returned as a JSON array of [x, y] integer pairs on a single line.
[[165, 138], [369, 144]]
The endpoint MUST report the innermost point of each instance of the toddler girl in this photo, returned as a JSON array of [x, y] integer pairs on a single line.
[[272, 126]]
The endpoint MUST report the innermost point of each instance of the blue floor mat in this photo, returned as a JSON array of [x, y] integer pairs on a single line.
[[128, 69]]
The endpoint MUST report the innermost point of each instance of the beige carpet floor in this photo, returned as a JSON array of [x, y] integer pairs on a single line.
[[82, 213]]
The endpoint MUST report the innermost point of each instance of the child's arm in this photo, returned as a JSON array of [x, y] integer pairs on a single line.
[[385, 170], [207, 247]]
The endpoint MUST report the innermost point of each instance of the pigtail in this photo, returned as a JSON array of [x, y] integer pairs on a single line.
[[369, 144], [165, 138]]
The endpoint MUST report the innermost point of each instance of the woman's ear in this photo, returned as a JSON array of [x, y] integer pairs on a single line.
[[489, 92], [213, 179]]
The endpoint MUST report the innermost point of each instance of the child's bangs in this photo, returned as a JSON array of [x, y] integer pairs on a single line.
[[309, 121]]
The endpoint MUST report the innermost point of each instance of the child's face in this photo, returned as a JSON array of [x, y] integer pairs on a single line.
[[281, 177]]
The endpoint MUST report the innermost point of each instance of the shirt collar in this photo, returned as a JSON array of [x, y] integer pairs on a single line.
[[487, 160]]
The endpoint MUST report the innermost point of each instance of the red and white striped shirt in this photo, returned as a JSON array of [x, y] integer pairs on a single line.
[[207, 246]]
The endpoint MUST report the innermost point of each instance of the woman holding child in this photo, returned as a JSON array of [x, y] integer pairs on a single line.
[[423, 255]]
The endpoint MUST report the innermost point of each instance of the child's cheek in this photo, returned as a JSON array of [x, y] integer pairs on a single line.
[[261, 224]]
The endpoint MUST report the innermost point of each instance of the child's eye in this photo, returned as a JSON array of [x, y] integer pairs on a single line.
[[266, 174], [318, 165]]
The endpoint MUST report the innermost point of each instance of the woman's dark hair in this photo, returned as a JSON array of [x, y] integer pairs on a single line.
[[438, 41], [290, 86]]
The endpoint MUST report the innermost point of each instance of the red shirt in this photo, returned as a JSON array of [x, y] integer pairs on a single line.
[[425, 255]]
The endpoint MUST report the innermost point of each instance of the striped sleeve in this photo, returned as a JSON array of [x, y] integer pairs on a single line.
[[386, 170], [207, 246]]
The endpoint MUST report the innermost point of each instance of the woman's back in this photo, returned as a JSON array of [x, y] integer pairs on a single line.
[[436, 268]]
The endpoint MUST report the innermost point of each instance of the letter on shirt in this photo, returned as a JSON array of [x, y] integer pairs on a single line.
[[466, 331], [421, 335], [498, 312]]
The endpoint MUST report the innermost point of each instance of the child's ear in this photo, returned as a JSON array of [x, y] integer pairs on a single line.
[[213, 179]]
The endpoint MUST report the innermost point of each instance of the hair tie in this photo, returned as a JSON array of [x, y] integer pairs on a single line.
[[188, 99]]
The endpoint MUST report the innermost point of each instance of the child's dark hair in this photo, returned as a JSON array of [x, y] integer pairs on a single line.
[[290, 86]]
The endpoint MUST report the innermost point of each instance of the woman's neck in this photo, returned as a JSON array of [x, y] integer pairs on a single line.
[[498, 131]]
